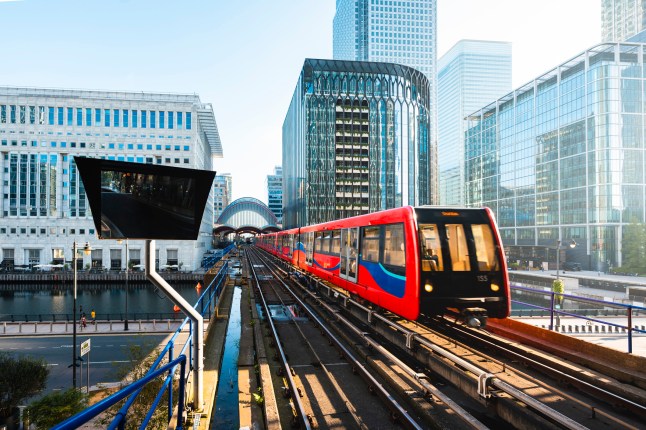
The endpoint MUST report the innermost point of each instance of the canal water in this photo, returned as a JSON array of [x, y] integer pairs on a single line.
[[109, 300], [226, 415]]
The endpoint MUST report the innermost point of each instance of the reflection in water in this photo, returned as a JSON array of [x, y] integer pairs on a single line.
[[105, 301], [226, 414]]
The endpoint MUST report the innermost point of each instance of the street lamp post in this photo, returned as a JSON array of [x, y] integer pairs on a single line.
[[86, 250], [125, 324], [572, 244]]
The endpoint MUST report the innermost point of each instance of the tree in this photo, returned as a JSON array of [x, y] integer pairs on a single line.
[[20, 378], [558, 287], [633, 248], [56, 407]]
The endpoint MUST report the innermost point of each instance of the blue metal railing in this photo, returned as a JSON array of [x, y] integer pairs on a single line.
[[210, 296], [554, 310]]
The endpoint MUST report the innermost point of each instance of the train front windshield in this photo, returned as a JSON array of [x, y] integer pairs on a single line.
[[455, 237]]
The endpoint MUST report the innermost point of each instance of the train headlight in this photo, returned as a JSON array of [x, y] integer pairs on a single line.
[[428, 287], [495, 287]]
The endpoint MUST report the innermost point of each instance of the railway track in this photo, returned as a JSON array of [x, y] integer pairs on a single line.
[[499, 383]]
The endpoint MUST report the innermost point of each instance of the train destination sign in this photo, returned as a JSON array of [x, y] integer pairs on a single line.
[[144, 201]]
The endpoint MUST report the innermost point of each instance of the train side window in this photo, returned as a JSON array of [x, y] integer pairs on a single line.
[[485, 248], [458, 248], [327, 238], [336, 242], [432, 259], [318, 242], [370, 244], [394, 246]]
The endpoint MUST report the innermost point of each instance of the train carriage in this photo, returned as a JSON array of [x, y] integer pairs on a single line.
[[409, 260]]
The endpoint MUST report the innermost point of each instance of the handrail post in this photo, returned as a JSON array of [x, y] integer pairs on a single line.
[[552, 311], [630, 329]]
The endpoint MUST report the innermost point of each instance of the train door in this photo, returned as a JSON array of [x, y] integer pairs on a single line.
[[349, 252], [309, 248]]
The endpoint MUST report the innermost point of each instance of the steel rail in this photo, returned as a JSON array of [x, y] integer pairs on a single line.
[[384, 393], [288, 371]]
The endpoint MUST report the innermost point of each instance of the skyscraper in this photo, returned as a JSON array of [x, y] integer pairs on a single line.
[[222, 189], [623, 20], [472, 74], [356, 139], [401, 32], [275, 193]]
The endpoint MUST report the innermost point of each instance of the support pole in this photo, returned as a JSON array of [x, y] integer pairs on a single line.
[[192, 314]]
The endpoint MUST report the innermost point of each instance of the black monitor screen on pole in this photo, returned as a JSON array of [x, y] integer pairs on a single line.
[[144, 201]]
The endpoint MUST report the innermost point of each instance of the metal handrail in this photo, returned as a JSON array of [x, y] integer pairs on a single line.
[[212, 291]]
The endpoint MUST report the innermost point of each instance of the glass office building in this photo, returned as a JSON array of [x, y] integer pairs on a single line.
[[275, 193], [472, 74], [43, 207], [563, 157], [623, 20], [356, 139]]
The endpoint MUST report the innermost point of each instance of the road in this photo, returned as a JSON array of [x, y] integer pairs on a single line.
[[107, 353]]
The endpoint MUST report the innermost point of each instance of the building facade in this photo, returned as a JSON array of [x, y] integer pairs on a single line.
[[623, 20], [562, 158], [222, 190], [275, 193], [356, 139], [43, 207], [472, 74]]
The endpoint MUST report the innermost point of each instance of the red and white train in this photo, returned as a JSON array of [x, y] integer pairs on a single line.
[[408, 260]]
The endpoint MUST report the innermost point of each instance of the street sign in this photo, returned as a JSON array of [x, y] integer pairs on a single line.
[[85, 347]]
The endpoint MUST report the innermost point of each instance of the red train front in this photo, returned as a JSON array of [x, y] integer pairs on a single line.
[[408, 260]]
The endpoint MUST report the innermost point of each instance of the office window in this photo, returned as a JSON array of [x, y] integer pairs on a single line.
[[13, 114], [188, 120], [79, 117], [135, 119], [180, 116], [162, 119], [106, 115], [97, 116], [88, 116], [3, 114], [153, 119], [32, 114], [70, 116], [144, 119], [171, 120], [50, 115], [60, 115], [116, 117], [125, 117]]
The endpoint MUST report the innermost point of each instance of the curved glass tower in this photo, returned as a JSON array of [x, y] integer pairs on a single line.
[[356, 139]]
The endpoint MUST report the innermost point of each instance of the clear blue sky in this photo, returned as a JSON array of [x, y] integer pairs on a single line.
[[244, 57]]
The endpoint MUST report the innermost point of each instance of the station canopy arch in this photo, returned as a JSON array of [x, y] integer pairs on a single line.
[[246, 215]]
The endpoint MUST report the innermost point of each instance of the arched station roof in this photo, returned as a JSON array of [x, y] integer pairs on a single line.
[[246, 215]]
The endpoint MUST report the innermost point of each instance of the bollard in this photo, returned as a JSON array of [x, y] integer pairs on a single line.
[[35, 327], [169, 324], [154, 325], [96, 326], [20, 327], [5, 327], [51, 327], [110, 325], [139, 325]]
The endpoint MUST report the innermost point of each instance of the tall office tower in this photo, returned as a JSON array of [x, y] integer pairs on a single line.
[[43, 207], [275, 193], [222, 189], [562, 158], [472, 74], [623, 21], [356, 139]]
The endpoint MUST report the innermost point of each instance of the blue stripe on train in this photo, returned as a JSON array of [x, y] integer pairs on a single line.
[[388, 281]]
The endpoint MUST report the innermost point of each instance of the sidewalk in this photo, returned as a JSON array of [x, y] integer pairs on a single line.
[[49, 328]]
